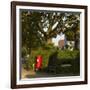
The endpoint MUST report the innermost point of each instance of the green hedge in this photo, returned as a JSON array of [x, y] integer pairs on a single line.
[[63, 56], [66, 54]]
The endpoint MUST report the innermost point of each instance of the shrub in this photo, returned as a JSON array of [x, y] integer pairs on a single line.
[[63, 57], [66, 54], [66, 57], [70, 35], [24, 51]]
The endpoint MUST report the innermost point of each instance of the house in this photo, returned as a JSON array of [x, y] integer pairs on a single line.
[[60, 41]]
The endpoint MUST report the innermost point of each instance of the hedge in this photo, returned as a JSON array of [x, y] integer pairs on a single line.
[[63, 57]]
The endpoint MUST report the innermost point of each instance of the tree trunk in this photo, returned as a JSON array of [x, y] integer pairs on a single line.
[[49, 41]]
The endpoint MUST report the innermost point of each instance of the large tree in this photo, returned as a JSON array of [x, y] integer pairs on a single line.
[[38, 27]]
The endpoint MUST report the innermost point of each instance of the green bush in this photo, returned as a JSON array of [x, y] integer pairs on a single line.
[[66, 54], [66, 57], [24, 51], [70, 35], [63, 56]]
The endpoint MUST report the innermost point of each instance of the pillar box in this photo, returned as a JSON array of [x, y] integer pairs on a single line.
[[38, 63]]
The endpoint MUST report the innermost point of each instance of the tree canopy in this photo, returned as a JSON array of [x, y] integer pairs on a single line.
[[39, 26]]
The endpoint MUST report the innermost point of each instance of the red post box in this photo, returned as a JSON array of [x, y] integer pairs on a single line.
[[38, 63]]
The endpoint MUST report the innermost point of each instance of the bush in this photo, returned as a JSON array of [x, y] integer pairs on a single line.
[[66, 54], [31, 59], [69, 58], [70, 35], [24, 51], [73, 68], [63, 57]]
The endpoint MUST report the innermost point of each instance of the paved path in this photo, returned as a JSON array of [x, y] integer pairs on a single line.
[[33, 74]]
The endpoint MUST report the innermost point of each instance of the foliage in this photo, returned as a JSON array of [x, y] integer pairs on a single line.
[[66, 54], [23, 52], [63, 57], [70, 35], [39, 26], [66, 62], [31, 38]]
